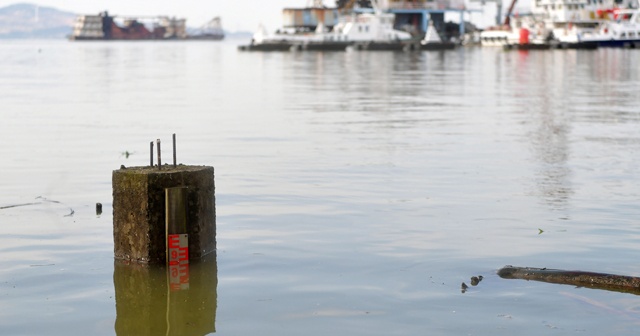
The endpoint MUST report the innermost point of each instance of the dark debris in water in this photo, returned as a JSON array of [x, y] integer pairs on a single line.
[[475, 280], [41, 200]]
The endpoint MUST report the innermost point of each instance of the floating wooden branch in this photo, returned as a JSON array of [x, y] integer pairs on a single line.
[[612, 282]]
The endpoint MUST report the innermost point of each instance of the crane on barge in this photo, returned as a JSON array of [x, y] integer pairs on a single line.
[[507, 17]]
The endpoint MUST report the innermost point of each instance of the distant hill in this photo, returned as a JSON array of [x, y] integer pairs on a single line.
[[26, 20]]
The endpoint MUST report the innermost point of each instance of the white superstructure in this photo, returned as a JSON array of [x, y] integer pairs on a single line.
[[88, 27], [366, 27]]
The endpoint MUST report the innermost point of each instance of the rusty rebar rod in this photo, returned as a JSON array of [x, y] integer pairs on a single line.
[[174, 151], [151, 153], [159, 159]]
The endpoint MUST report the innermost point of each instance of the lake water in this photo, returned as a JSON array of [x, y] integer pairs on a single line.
[[355, 191]]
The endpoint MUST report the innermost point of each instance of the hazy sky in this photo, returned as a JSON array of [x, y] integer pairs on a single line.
[[236, 15]]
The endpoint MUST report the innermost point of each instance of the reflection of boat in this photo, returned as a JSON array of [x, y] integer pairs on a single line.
[[106, 27], [623, 31]]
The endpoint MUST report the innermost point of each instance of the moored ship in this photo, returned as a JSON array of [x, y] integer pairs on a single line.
[[104, 27], [378, 27]]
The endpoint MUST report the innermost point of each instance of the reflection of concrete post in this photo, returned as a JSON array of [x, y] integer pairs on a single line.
[[145, 306], [139, 224], [177, 237]]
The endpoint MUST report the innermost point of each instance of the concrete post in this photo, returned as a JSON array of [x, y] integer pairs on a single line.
[[139, 219]]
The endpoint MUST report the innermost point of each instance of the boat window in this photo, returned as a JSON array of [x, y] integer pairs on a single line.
[[366, 28], [623, 35], [632, 34]]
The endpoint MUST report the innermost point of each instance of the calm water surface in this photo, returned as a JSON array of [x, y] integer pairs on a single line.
[[355, 191]]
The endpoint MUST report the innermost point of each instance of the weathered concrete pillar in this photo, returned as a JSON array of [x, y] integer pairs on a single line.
[[139, 211]]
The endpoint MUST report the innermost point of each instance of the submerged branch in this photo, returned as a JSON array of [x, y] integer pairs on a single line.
[[16, 205], [611, 282]]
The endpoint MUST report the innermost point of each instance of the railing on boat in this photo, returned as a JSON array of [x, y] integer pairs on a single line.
[[428, 4]]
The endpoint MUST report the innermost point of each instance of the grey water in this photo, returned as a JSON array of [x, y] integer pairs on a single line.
[[355, 191]]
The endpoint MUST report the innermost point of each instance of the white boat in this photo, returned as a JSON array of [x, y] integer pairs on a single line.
[[557, 22], [517, 30], [622, 32], [363, 31], [520, 30], [433, 41]]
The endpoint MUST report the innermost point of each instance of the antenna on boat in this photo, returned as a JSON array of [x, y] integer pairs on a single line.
[[380, 6]]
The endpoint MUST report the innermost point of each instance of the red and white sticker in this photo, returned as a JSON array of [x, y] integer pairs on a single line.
[[178, 261]]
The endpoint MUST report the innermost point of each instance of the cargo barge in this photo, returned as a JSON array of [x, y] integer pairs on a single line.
[[104, 27]]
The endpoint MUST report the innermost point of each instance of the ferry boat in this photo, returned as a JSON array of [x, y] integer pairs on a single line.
[[570, 20], [623, 31], [554, 23]]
